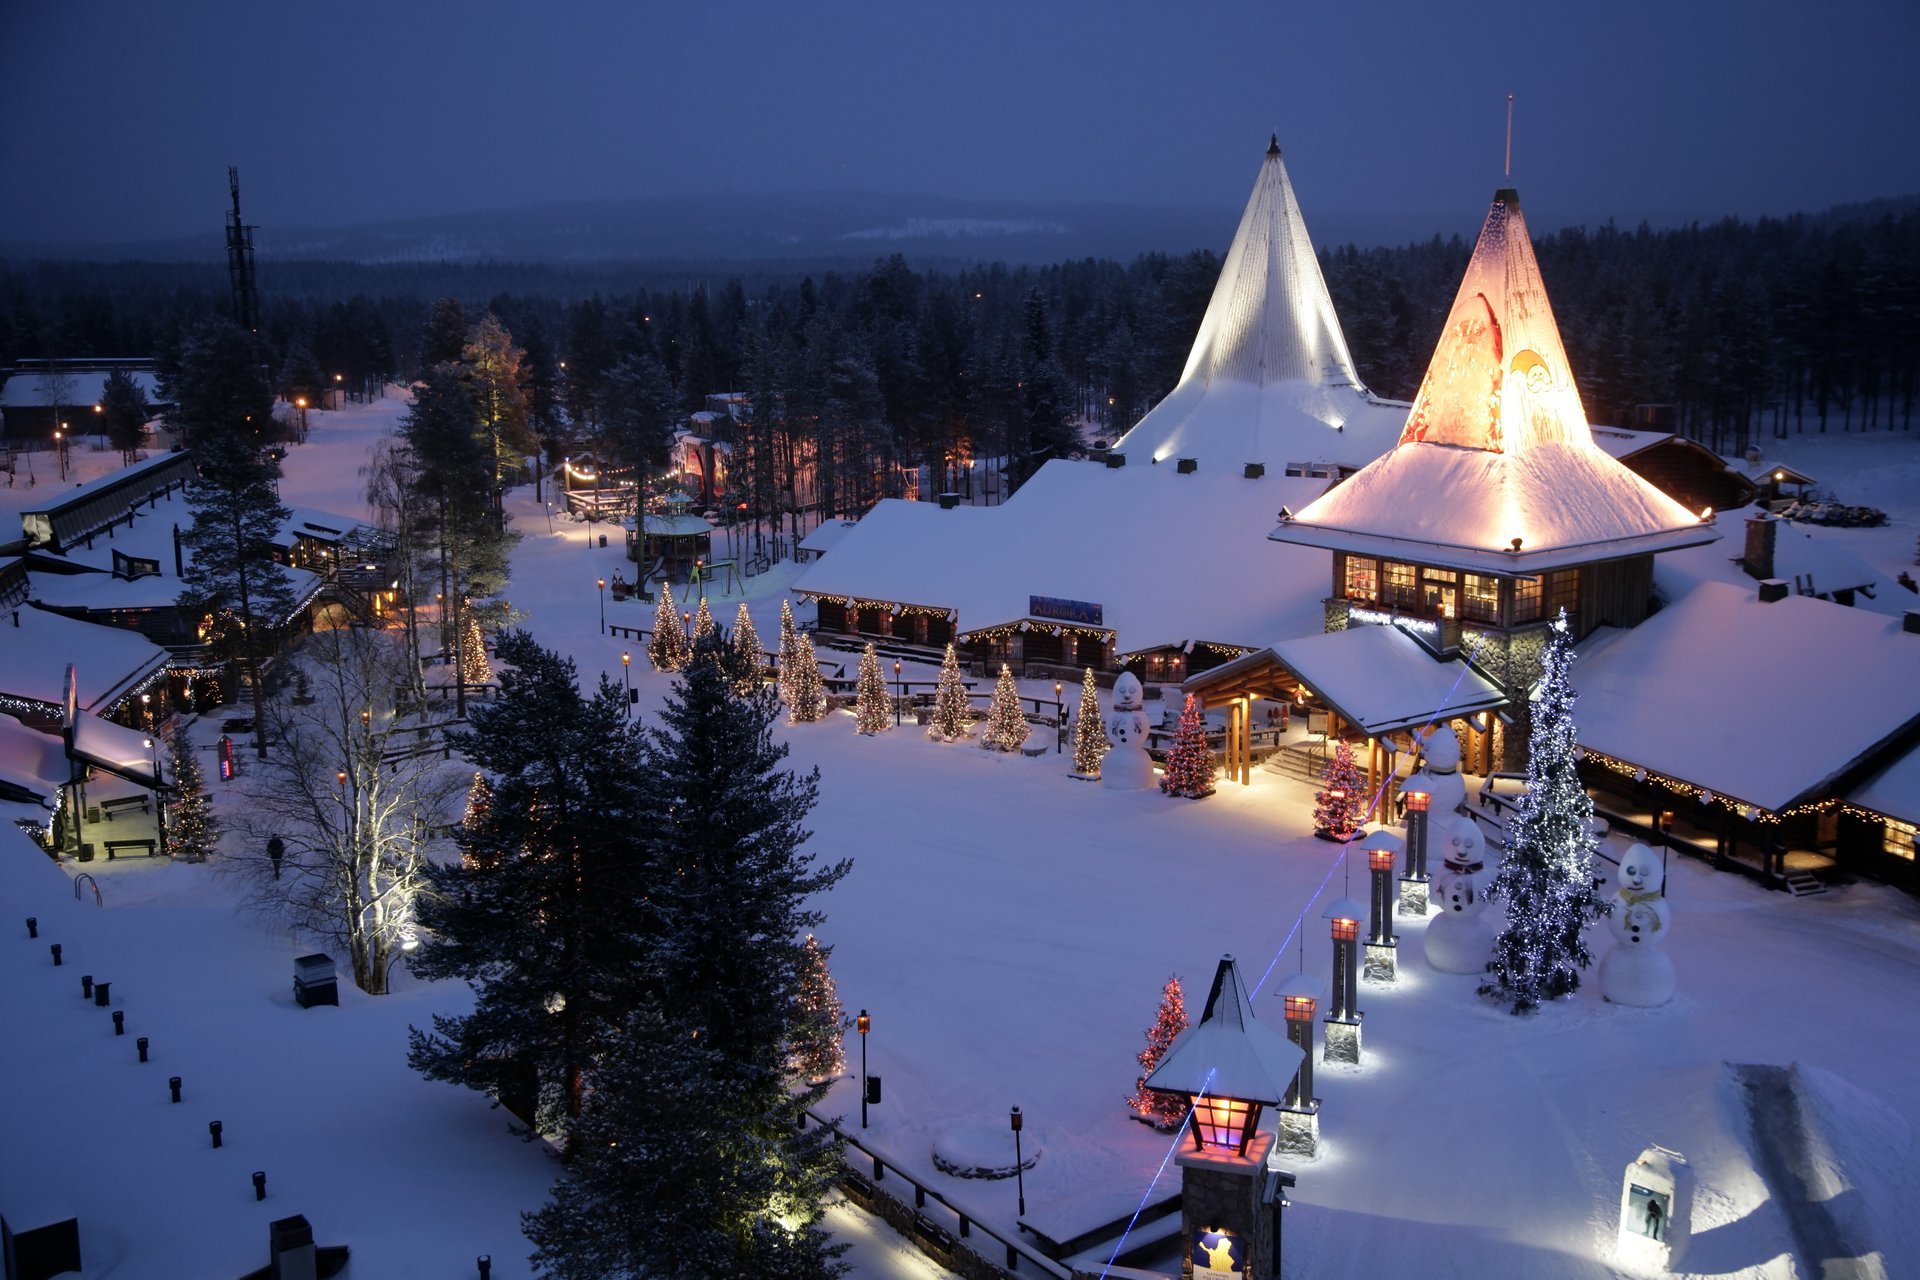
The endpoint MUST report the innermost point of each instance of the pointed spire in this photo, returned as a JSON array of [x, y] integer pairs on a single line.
[[1273, 148], [1229, 1053]]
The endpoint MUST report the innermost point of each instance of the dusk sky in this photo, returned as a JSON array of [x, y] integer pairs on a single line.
[[120, 118]]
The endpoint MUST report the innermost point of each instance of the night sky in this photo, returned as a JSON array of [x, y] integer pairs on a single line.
[[120, 119]]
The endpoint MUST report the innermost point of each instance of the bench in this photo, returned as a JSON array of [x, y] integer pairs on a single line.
[[122, 846], [126, 804]]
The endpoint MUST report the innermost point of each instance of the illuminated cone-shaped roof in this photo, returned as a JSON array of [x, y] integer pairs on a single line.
[[1269, 378], [1495, 467], [1227, 1054]]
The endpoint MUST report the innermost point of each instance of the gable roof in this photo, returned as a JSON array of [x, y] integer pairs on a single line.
[[1269, 378], [1228, 1053]]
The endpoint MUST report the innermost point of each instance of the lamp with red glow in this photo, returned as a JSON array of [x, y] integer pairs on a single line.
[[1223, 1124]]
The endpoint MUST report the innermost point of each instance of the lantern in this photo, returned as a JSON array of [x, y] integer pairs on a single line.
[[1222, 1123]]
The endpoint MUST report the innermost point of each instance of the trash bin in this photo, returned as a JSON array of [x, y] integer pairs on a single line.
[[314, 981], [603, 539]]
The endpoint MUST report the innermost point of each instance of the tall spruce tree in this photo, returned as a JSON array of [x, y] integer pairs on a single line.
[[951, 717], [870, 713], [704, 1178], [745, 657], [192, 830], [123, 413], [539, 915], [1546, 874], [1089, 732]]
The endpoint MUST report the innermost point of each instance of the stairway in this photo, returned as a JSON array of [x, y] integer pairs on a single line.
[[1802, 884], [1304, 761]]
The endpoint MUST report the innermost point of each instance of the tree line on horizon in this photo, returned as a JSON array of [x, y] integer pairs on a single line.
[[1745, 329]]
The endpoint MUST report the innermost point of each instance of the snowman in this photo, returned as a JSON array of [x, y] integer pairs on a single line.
[[1638, 971], [1439, 774], [1457, 939], [1127, 766]]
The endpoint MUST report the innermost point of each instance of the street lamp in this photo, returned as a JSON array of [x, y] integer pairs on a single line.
[[59, 451], [146, 710], [626, 676], [899, 692], [1019, 1171], [864, 1025], [601, 584], [159, 799], [1060, 712]]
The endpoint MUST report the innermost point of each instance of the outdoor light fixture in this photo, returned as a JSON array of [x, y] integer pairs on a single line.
[[863, 1024], [1019, 1167], [1223, 1124]]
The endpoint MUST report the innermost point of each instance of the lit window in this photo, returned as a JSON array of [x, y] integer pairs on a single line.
[[1563, 591], [1480, 598], [1363, 578], [1400, 586], [1526, 599], [1898, 839]]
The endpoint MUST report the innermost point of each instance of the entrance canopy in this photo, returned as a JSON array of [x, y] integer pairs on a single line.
[[1376, 678]]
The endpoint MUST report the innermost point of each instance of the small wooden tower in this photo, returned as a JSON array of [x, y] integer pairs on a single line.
[[1229, 1067]]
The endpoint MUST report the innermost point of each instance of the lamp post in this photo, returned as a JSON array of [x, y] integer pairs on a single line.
[[899, 692], [600, 584], [1382, 946], [346, 814], [59, 450], [1019, 1168], [1060, 711], [159, 798], [864, 1024], [1413, 886], [626, 678], [146, 711], [1343, 1015], [301, 404]]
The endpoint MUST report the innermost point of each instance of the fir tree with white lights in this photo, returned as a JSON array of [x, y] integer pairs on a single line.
[[192, 830], [1089, 732], [870, 713], [1546, 874], [1338, 808], [1164, 1111], [668, 650], [806, 699], [1189, 770], [952, 719], [474, 667], [745, 654], [789, 646], [704, 627], [1006, 723], [814, 1051]]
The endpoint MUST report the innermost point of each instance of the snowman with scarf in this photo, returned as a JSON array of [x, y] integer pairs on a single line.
[[1127, 766], [1637, 970], [1457, 940]]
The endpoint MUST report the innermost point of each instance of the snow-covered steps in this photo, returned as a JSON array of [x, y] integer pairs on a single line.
[[1803, 884]]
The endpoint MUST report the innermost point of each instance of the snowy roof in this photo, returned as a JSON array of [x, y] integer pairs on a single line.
[[81, 390], [1763, 471], [116, 748], [1801, 553], [1624, 442], [1496, 447], [1228, 1053], [829, 533], [680, 526], [322, 526], [1676, 695], [1894, 791], [109, 663], [1136, 559], [32, 760], [1269, 378]]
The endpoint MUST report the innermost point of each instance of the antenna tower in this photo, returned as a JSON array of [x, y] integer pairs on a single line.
[[246, 297]]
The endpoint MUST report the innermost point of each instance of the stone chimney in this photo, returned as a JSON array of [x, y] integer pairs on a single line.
[[1758, 560]]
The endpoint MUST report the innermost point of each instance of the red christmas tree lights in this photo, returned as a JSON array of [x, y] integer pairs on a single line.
[[1161, 1110], [1339, 808], [1189, 769]]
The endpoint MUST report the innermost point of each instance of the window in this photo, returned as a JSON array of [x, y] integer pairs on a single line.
[[1562, 592], [1897, 839], [1363, 578], [1438, 593], [1400, 587], [1480, 598], [1526, 599]]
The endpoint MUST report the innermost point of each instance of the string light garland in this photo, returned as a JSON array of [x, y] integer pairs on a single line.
[[1189, 771], [870, 715], [1006, 724], [1089, 733], [952, 717]]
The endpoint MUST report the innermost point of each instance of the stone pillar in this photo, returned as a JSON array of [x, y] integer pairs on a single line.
[[1382, 945], [1343, 1017], [1414, 884], [1223, 1215]]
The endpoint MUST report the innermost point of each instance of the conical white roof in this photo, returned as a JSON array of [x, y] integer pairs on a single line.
[[1269, 378], [1228, 1054], [1496, 467]]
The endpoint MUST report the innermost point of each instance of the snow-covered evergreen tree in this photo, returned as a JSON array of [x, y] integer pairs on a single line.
[[1189, 770], [870, 712], [703, 624], [815, 1044], [1546, 873], [745, 652], [1089, 731], [1164, 1111], [192, 830], [668, 649], [1006, 723], [789, 646], [951, 714], [475, 669], [806, 697], [1339, 807]]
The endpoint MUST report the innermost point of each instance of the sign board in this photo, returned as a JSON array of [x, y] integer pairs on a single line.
[[1655, 1199], [1218, 1253], [1076, 611]]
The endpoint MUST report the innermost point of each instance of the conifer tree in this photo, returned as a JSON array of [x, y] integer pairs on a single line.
[[479, 801], [1164, 1111], [870, 714], [951, 714], [806, 698], [475, 669], [704, 627], [540, 913], [789, 647], [1339, 806], [1189, 770], [123, 412], [814, 1046], [1546, 871], [744, 652], [1006, 723], [1089, 732], [192, 830], [667, 649]]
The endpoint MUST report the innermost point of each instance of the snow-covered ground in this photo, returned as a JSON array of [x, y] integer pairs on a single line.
[[1008, 929]]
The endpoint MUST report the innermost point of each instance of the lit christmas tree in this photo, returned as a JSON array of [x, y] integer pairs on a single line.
[[806, 699], [1189, 770], [789, 646], [951, 717], [747, 655], [479, 800], [814, 1043], [1338, 809], [1006, 724], [1163, 1111], [474, 667], [870, 711], [1546, 873], [704, 626], [1089, 732], [668, 650], [192, 830]]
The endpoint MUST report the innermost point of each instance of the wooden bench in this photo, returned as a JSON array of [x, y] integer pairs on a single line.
[[122, 846], [126, 804]]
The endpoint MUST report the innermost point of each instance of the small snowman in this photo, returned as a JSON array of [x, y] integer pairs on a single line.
[[1637, 970], [1457, 940], [1439, 773], [1127, 766]]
